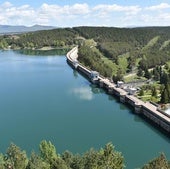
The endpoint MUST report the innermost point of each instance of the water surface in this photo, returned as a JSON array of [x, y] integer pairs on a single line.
[[41, 97]]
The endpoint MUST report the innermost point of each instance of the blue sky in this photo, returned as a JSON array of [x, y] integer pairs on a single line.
[[69, 13]]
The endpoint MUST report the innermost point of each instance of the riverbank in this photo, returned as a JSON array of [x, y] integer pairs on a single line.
[[45, 51], [44, 48]]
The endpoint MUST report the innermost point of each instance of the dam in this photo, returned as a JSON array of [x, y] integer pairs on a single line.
[[148, 109]]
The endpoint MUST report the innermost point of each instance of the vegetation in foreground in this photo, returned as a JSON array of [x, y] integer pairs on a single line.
[[105, 158]]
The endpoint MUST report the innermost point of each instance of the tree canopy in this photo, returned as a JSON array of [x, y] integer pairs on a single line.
[[47, 158]]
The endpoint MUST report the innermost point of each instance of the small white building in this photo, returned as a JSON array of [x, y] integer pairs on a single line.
[[132, 91], [120, 84], [94, 75]]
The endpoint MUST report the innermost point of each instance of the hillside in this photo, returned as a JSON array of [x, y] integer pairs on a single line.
[[39, 39], [145, 47], [151, 44]]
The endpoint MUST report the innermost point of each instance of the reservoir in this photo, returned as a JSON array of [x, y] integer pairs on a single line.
[[42, 97]]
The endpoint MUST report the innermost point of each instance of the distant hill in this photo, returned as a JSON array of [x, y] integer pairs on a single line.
[[6, 29]]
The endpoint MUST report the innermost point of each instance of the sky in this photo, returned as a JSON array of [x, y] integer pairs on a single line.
[[70, 13]]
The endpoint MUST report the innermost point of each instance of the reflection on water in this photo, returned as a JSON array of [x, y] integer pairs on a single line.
[[83, 93], [75, 73], [123, 107], [95, 89], [86, 92], [111, 98], [139, 119]]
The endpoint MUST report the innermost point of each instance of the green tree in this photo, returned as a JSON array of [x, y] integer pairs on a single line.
[[47, 151], [2, 162], [166, 66], [141, 92], [147, 74], [140, 72], [165, 95], [68, 158], [92, 159], [36, 162], [111, 158], [58, 163], [3, 44], [154, 92], [118, 76], [16, 158], [156, 74], [164, 78], [78, 162], [157, 163]]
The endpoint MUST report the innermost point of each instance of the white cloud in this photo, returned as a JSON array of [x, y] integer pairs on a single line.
[[117, 8], [15, 15], [46, 14], [158, 7], [158, 19], [165, 16], [6, 5], [146, 18], [79, 9], [83, 14], [83, 93]]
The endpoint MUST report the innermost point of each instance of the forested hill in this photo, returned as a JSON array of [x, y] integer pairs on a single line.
[[60, 37], [147, 43]]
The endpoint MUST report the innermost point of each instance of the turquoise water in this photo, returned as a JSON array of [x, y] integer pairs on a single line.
[[41, 97]]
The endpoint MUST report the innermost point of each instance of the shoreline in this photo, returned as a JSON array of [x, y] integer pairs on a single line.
[[44, 48]]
